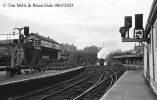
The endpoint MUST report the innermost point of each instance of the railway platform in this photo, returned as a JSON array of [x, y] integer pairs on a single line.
[[131, 86], [21, 84], [4, 79]]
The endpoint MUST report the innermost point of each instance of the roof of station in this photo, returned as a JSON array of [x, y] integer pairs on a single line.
[[43, 38], [129, 56]]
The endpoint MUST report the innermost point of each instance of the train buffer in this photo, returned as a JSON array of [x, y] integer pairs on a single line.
[[131, 86]]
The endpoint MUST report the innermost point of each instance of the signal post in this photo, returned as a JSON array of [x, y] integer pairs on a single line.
[[138, 35], [16, 68]]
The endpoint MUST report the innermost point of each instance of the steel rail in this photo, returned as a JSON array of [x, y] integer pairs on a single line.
[[100, 79], [100, 82], [111, 76], [107, 77]]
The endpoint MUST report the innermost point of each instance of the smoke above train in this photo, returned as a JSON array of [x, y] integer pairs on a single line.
[[103, 53]]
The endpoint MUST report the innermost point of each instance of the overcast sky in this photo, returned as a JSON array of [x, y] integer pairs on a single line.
[[88, 22]]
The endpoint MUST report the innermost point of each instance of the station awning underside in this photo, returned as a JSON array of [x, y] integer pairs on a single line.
[[128, 56]]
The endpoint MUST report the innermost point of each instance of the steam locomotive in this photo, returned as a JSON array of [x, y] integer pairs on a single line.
[[101, 61]]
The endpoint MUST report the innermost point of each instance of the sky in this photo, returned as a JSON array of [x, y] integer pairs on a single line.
[[86, 23]]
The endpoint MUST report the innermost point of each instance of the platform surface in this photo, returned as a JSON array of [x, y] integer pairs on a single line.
[[23, 77], [131, 86]]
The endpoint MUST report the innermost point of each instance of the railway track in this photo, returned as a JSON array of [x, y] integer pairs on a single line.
[[93, 92], [75, 89], [96, 92], [88, 86]]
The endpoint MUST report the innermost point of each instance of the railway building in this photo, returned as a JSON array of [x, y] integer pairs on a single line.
[[88, 58], [150, 50], [40, 50], [35, 52], [68, 53], [131, 58]]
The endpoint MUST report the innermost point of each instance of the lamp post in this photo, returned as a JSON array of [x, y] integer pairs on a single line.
[[19, 51]]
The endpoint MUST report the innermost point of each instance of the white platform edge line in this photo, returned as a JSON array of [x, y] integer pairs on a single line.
[[54, 74], [103, 97]]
